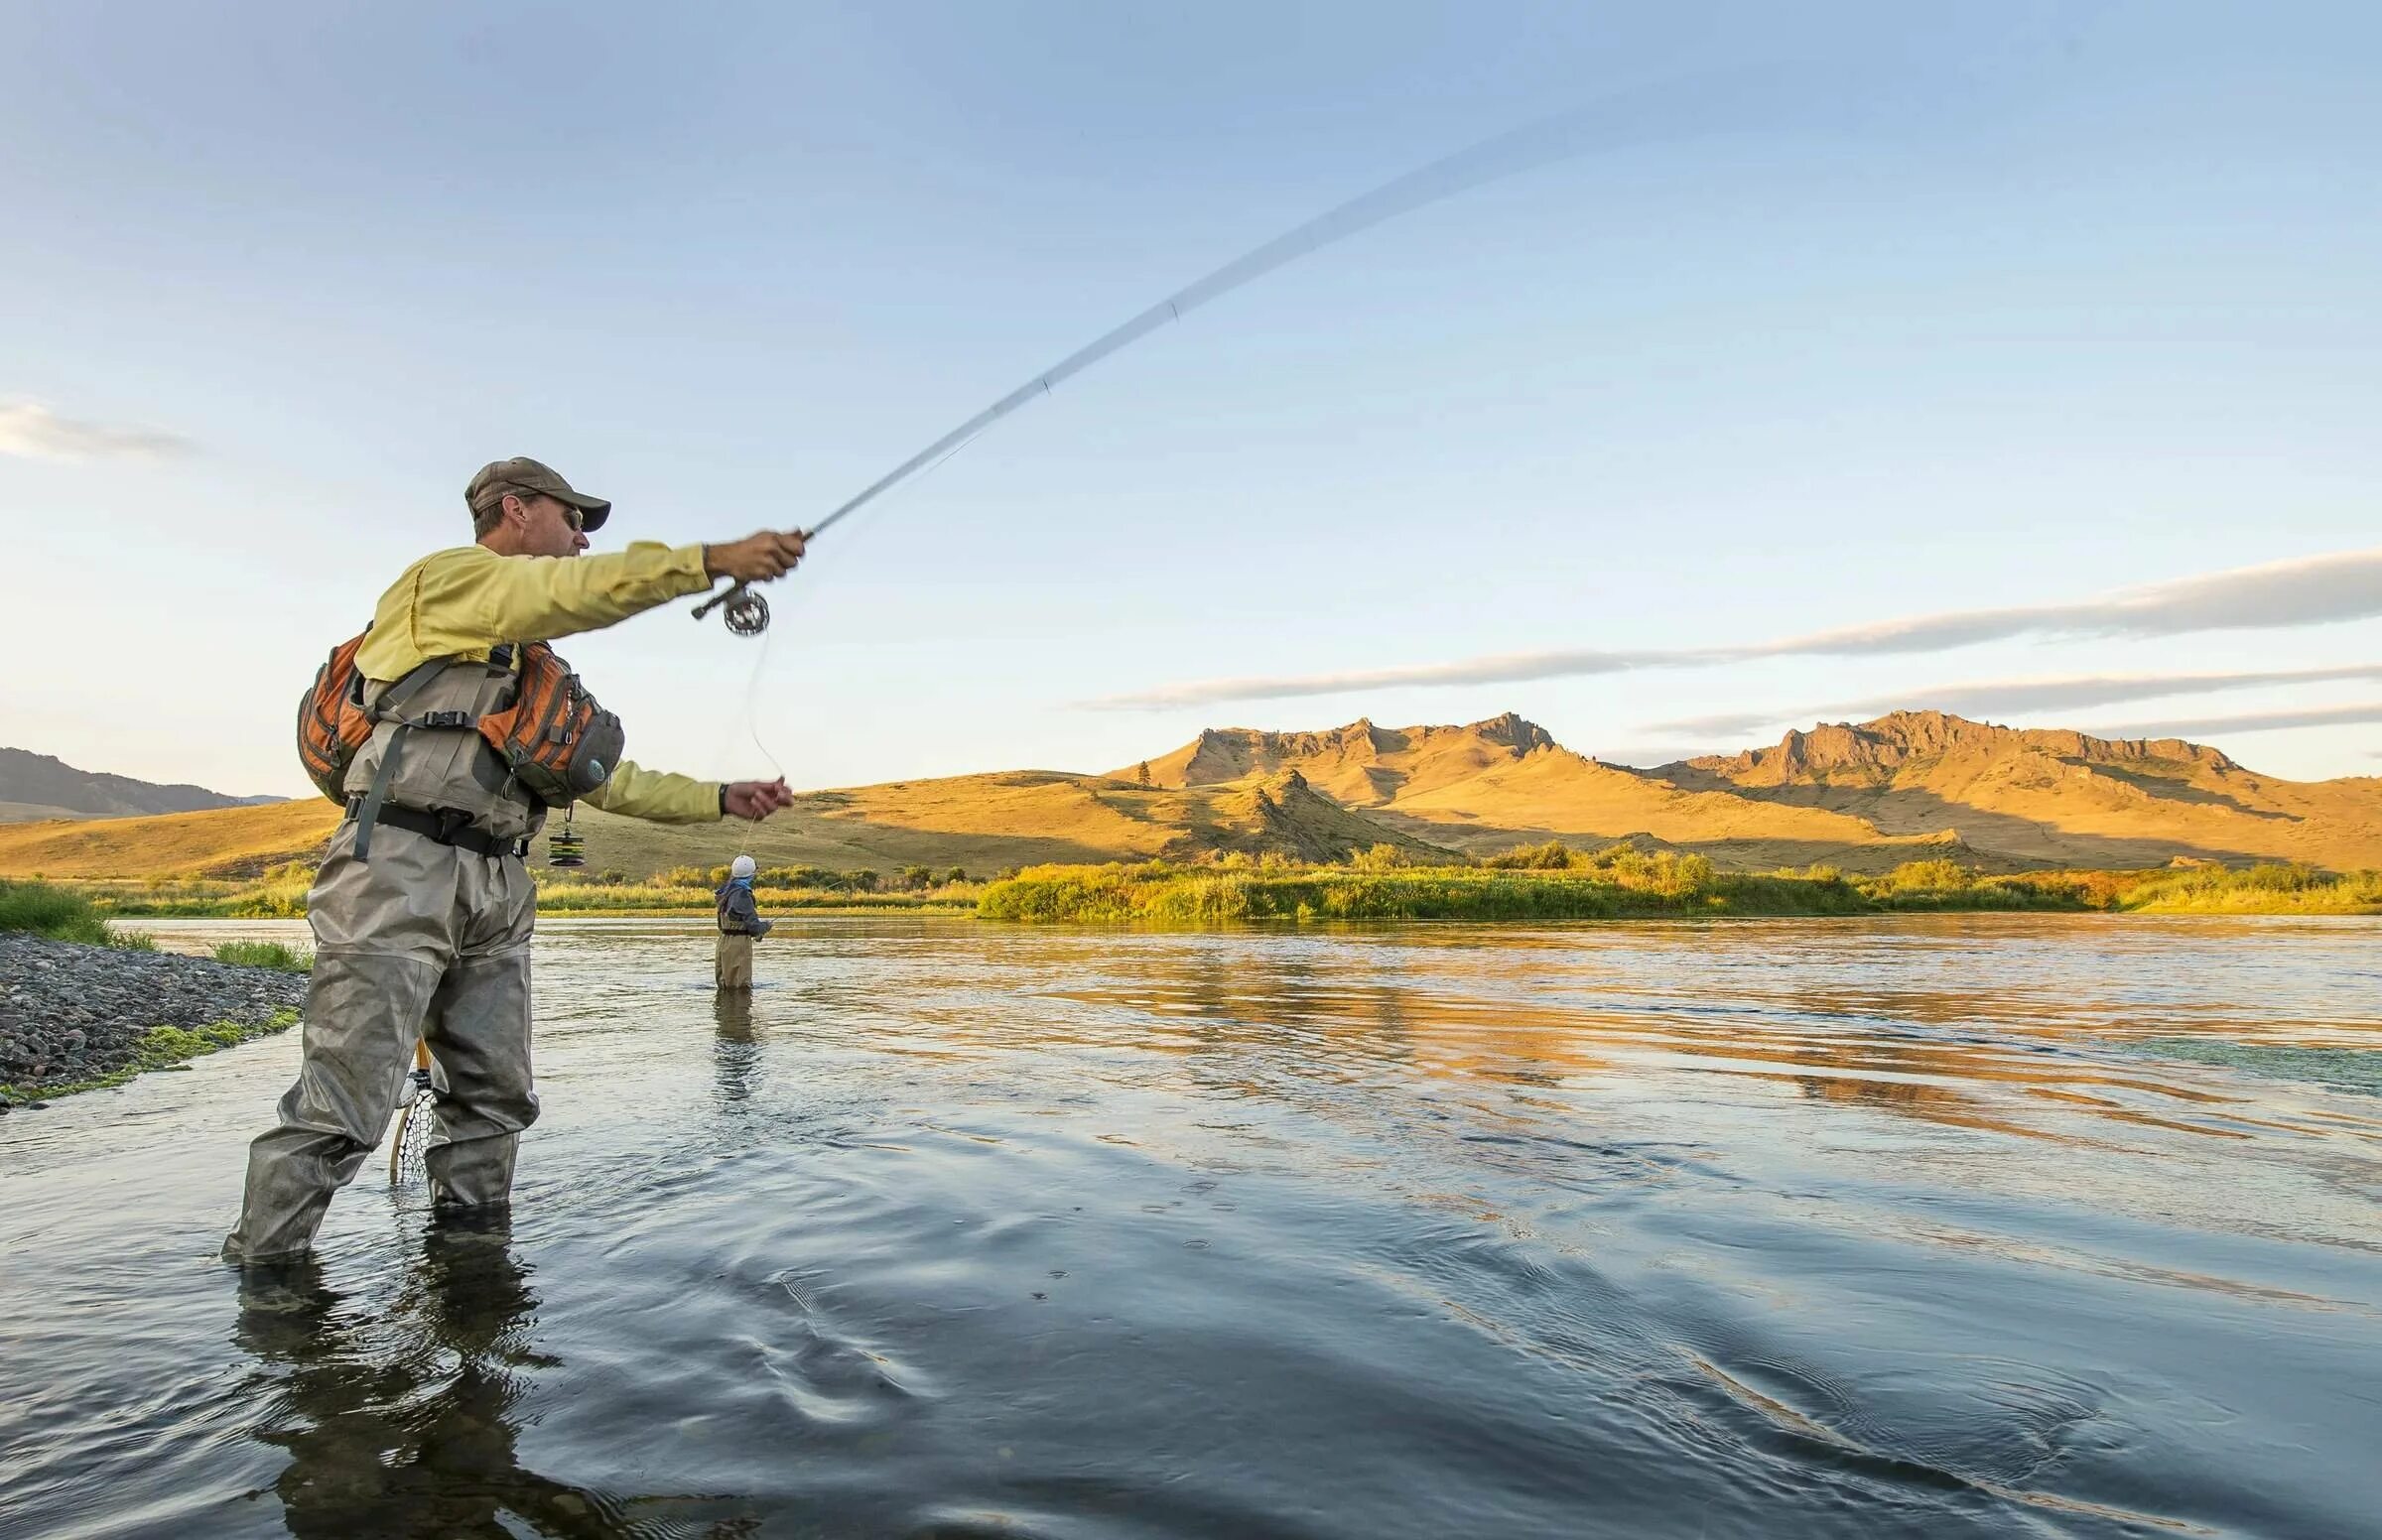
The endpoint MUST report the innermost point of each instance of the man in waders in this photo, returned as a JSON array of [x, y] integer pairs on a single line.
[[740, 925], [422, 910]]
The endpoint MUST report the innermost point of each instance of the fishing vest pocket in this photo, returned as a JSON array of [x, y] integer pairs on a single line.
[[553, 737], [496, 743], [332, 723]]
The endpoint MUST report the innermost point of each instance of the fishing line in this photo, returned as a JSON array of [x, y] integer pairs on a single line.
[[1709, 105], [753, 685], [1647, 116]]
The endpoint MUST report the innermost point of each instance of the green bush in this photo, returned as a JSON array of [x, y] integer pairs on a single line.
[[39, 909], [266, 954]]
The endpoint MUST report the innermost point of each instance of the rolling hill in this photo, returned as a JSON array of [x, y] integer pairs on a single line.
[[37, 786], [1866, 797]]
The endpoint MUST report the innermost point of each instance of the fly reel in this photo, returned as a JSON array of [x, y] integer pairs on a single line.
[[746, 612]]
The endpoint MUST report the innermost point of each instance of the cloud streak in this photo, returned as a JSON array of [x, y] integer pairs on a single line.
[[2311, 590], [2020, 696], [32, 431], [2253, 722]]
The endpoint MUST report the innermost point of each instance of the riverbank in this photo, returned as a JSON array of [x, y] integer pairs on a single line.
[[75, 1016], [1627, 884], [1546, 882], [281, 895]]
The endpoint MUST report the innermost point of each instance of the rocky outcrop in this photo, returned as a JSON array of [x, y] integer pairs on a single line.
[[1875, 750]]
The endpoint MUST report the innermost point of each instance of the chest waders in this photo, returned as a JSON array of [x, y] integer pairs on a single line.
[[421, 916]]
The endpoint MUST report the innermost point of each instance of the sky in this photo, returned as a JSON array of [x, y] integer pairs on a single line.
[[2018, 360]]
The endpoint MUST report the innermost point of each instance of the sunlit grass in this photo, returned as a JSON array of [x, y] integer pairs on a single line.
[[266, 954], [1553, 882], [39, 909]]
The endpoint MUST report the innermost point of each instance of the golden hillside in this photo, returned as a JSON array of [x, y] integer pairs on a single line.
[[1866, 797], [221, 842], [984, 823], [2052, 798], [981, 823]]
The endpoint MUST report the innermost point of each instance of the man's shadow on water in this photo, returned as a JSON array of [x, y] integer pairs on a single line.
[[388, 1433]]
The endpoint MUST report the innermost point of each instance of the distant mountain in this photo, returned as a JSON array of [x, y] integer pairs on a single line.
[[1490, 784], [1864, 796], [2051, 798], [36, 786], [1359, 765]]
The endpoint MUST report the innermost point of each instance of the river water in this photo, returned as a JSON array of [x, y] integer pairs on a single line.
[[1935, 1226]]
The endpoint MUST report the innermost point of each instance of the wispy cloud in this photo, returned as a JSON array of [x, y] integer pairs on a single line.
[[2019, 696], [31, 429], [2253, 722], [2311, 591]]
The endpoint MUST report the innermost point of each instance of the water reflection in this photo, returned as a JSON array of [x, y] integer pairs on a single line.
[[405, 1421], [736, 1048], [1667, 1231]]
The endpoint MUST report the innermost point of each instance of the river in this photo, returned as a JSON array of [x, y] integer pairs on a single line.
[[1925, 1226]]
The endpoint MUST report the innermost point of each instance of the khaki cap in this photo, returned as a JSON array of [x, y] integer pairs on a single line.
[[523, 476]]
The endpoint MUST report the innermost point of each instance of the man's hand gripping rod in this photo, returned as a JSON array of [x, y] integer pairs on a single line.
[[746, 612]]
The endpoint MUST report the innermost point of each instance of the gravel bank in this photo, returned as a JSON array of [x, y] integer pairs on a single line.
[[72, 1015]]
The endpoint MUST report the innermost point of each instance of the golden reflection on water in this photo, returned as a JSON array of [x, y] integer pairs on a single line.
[[1938, 1038]]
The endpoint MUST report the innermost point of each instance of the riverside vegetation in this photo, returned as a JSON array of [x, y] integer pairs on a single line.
[[1556, 882], [280, 892], [1551, 881]]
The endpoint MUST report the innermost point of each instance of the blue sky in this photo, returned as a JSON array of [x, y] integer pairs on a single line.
[[1880, 313]]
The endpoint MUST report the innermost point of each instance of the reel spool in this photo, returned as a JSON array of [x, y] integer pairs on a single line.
[[745, 613]]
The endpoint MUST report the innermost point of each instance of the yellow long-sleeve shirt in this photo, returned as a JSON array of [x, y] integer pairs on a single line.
[[464, 602]]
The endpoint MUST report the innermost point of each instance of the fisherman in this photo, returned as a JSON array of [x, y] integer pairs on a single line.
[[422, 910], [740, 925]]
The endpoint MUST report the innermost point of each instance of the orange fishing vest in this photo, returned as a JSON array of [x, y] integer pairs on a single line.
[[556, 740]]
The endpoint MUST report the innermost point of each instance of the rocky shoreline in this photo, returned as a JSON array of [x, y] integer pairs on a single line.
[[73, 1016]]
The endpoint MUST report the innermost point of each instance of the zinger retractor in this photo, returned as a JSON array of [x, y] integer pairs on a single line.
[[747, 615], [565, 846]]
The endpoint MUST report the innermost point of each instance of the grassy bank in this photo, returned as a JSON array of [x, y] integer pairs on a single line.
[[280, 894], [668, 898], [37, 909], [160, 1048], [1540, 882], [1628, 884]]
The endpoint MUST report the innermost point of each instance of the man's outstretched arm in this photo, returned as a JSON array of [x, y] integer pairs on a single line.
[[474, 598], [461, 602], [659, 797]]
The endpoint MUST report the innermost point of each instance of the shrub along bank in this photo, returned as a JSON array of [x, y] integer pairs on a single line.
[[1551, 883]]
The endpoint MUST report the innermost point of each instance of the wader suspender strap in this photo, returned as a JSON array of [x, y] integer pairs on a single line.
[[403, 690]]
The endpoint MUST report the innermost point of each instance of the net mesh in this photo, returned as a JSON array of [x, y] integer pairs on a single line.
[[414, 1121]]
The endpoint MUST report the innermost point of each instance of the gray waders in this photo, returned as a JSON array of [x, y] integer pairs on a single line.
[[423, 939]]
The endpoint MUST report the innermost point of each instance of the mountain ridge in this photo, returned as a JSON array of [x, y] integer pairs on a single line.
[[42, 786], [1866, 797]]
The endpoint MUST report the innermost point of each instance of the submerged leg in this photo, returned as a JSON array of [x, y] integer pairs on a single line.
[[732, 965], [362, 1011], [479, 1032]]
